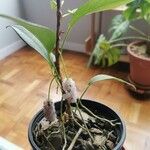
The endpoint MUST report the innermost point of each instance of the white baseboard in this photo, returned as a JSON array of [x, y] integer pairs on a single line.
[[74, 47], [6, 51]]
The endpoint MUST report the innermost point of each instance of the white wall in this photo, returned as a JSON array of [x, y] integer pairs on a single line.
[[39, 12], [9, 41]]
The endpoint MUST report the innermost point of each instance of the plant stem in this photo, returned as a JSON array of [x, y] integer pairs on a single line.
[[137, 30], [119, 45], [78, 123], [64, 132], [84, 91], [75, 139], [64, 40], [64, 66], [58, 40], [130, 37], [50, 88], [84, 122], [48, 142], [58, 53], [97, 117]]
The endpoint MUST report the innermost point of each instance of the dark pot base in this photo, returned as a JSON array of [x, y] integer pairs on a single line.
[[100, 108]]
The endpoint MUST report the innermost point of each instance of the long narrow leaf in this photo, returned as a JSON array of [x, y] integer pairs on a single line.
[[92, 6], [31, 40], [103, 77], [43, 34]]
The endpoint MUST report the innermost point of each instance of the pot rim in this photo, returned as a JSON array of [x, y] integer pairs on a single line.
[[135, 55], [123, 137]]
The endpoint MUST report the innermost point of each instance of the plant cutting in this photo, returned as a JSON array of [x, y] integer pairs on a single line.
[[72, 123]]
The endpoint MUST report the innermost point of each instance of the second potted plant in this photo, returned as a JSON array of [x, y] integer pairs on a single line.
[[108, 51]]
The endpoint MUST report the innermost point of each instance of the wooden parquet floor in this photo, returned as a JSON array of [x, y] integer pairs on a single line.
[[24, 79]]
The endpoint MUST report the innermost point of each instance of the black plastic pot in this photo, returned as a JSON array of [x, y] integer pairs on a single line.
[[100, 108]]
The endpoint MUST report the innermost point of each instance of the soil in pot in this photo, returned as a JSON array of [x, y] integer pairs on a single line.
[[141, 50], [104, 134]]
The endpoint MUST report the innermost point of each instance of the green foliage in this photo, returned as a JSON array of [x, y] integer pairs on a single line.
[[92, 6], [104, 53], [131, 12], [53, 4], [119, 26], [44, 35], [145, 11], [107, 52], [140, 6], [103, 77], [31, 40]]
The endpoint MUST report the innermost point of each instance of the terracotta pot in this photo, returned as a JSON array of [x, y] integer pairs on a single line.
[[139, 67]]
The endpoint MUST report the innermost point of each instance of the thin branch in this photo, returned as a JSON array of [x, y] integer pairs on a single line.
[[57, 53], [84, 122], [97, 117], [84, 91], [49, 88], [137, 30], [119, 45], [129, 38], [75, 139], [48, 141], [65, 143]]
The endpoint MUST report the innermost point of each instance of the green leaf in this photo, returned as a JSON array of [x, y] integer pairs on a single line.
[[119, 26], [103, 77], [70, 12], [53, 4], [148, 1], [130, 13], [92, 6], [31, 40], [95, 54], [43, 34], [104, 54], [113, 56], [138, 9], [145, 11]]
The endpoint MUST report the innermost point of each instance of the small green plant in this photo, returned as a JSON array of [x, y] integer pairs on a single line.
[[47, 42], [107, 51]]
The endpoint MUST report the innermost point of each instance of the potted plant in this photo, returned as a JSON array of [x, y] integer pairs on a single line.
[[72, 123], [139, 51], [108, 51]]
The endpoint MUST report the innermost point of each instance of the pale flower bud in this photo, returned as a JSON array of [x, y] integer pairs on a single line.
[[70, 90]]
